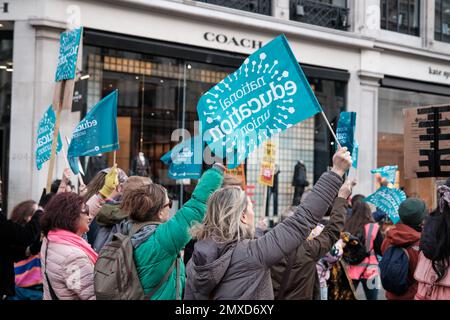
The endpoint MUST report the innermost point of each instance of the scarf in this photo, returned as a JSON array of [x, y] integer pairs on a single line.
[[72, 239], [444, 196], [142, 235]]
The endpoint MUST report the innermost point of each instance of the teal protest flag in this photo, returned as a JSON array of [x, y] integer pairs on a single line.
[[268, 94], [185, 159], [355, 153], [345, 131], [69, 43], [388, 172], [388, 200], [46, 128], [96, 133]]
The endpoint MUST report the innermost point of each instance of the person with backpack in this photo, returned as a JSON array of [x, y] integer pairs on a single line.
[[113, 215], [229, 262], [67, 259], [296, 277], [363, 262], [400, 251], [432, 271], [145, 261]]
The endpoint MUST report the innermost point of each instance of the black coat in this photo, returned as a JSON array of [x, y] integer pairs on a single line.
[[299, 178], [429, 240], [14, 239]]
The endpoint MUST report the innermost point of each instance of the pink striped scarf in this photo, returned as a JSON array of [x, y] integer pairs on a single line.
[[72, 239]]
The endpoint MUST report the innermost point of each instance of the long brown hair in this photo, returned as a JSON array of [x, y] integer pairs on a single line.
[[361, 215], [22, 211]]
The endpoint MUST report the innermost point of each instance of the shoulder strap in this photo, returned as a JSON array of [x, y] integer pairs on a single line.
[[52, 292], [164, 279], [137, 226], [286, 275], [177, 297], [369, 236]]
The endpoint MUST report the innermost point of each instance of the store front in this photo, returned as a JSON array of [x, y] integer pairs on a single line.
[[159, 85], [395, 95]]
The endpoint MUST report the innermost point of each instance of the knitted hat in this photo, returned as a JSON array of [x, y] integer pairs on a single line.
[[412, 212]]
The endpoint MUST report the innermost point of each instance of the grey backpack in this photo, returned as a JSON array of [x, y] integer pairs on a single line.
[[115, 273]]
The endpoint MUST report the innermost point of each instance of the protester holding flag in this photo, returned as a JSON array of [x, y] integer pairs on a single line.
[[365, 270], [67, 259], [228, 263], [157, 241], [106, 187], [405, 235], [113, 215], [432, 272], [296, 277]]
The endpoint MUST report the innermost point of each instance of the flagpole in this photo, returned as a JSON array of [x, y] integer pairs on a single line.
[[114, 158], [331, 129]]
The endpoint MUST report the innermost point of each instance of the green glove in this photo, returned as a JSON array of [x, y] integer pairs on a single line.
[[111, 182]]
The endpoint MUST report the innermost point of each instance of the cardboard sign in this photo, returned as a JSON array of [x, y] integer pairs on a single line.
[[267, 169], [238, 172]]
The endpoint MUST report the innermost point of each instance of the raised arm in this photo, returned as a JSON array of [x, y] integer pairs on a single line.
[[320, 245], [291, 233], [173, 235]]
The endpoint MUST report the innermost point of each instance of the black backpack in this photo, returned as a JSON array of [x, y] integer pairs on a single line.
[[394, 270], [355, 251]]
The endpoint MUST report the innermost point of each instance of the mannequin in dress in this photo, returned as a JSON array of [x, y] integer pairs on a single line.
[[140, 166]]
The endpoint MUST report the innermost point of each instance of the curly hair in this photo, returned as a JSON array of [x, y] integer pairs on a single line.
[[62, 212], [145, 202]]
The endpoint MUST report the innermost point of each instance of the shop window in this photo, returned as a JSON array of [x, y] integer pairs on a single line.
[[326, 13], [255, 6], [442, 21], [401, 16]]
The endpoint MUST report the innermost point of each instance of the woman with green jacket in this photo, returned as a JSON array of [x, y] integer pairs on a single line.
[[158, 242]]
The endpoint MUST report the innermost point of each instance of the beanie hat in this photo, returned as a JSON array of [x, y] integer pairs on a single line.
[[412, 212]]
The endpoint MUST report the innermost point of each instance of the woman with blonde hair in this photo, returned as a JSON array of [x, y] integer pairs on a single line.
[[228, 263]]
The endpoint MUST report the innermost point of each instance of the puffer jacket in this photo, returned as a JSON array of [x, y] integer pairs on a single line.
[[241, 270], [428, 288], [403, 236], [155, 256], [69, 270]]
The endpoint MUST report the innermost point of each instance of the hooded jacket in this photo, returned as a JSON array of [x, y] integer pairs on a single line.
[[403, 236], [155, 256], [303, 282], [241, 270], [110, 220]]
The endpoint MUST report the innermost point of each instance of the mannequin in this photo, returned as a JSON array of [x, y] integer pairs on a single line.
[[299, 182], [95, 164], [140, 166]]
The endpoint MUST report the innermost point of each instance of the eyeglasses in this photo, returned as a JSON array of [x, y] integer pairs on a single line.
[[168, 204], [85, 210]]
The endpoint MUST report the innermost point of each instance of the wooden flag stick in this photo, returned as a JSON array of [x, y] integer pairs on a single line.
[[331, 129], [114, 158], [57, 104]]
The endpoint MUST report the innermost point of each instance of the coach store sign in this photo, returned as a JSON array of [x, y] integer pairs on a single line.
[[232, 40]]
